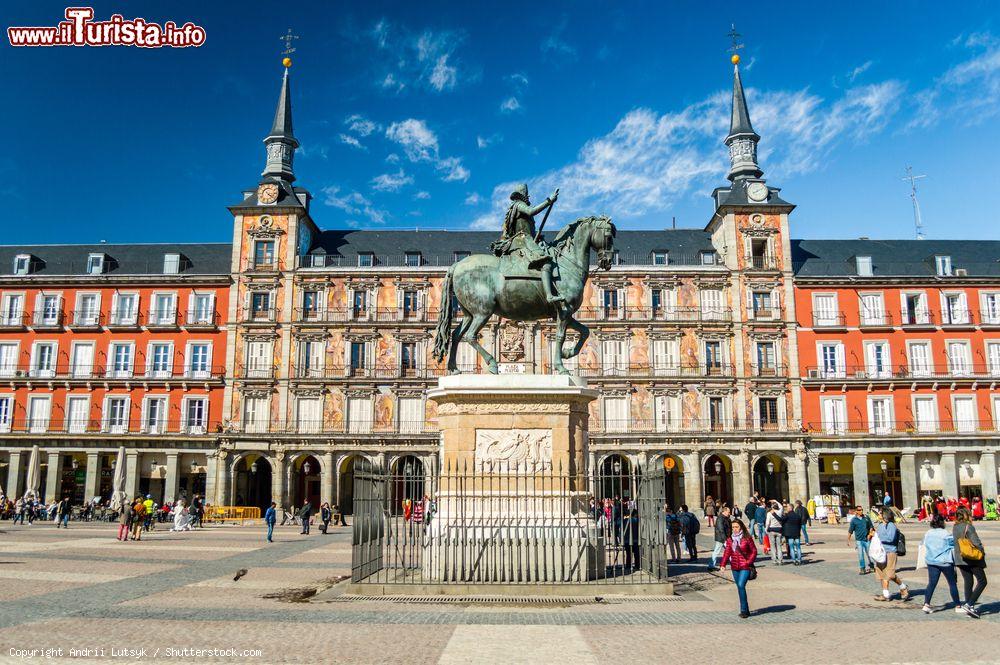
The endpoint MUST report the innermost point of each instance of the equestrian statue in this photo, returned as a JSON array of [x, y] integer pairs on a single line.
[[525, 279]]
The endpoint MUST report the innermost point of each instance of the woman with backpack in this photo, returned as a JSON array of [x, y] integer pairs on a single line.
[[740, 554], [939, 546], [970, 556], [890, 538]]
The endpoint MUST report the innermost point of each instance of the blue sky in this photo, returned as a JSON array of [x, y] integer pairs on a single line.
[[421, 114]]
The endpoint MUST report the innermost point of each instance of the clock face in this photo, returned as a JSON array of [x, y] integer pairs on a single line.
[[757, 191], [267, 193]]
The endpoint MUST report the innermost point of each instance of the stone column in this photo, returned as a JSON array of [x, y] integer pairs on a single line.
[[741, 478], [692, 479], [172, 480], [53, 480], [949, 475], [13, 486], [211, 485], [223, 478], [909, 480], [131, 473], [335, 477], [92, 485], [278, 480], [797, 482], [861, 480], [326, 479], [988, 473], [812, 471]]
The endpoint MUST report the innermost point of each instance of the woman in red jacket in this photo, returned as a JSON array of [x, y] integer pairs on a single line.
[[740, 553]]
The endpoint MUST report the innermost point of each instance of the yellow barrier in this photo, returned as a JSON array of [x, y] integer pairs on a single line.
[[235, 514]]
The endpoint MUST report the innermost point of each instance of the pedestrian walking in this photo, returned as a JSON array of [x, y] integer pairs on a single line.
[[723, 529], [270, 517], [138, 518], [970, 557], [760, 517], [125, 522], [631, 540], [673, 534], [710, 510], [63, 511], [325, 515], [305, 514], [791, 533], [690, 526], [773, 528], [861, 529], [740, 553], [805, 518], [889, 536], [149, 508], [939, 546]]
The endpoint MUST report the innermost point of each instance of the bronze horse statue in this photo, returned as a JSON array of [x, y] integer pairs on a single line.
[[485, 285]]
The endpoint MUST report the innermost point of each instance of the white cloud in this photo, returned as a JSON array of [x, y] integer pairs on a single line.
[[518, 81], [969, 90], [483, 142], [473, 199], [487, 222], [390, 82], [422, 196], [351, 141], [510, 105], [859, 70], [360, 125], [391, 182], [649, 160], [354, 204], [555, 45], [392, 158], [420, 144], [443, 76]]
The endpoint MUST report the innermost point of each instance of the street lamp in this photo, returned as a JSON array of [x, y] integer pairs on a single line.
[[307, 467], [718, 467], [885, 480], [194, 466], [153, 466], [408, 468], [836, 466], [770, 467], [884, 465], [253, 467], [616, 467], [75, 463]]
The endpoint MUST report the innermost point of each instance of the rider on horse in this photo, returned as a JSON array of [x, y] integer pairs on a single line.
[[518, 234]]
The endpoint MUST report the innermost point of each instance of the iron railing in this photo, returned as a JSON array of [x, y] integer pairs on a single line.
[[950, 370], [529, 524], [903, 428]]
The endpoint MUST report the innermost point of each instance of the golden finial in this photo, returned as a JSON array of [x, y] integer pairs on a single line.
[[735, 59], [287, 62]]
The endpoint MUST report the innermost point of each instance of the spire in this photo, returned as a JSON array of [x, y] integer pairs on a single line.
[[281, 142], [742, 139]]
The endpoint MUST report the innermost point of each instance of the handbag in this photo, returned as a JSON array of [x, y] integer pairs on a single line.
[[968, 549], [876, 551], [921, 556], [767, 544], [753, 572]]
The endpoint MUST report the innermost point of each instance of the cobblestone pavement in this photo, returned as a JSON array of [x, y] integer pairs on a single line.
[[81, 589]]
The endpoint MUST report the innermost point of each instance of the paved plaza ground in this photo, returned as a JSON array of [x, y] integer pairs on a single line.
[[81, 589]]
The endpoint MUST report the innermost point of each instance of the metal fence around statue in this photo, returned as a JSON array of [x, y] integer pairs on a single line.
[[512, 525]]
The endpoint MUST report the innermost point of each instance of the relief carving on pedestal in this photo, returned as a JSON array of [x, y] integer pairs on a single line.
[[511, 342], [523, 449]]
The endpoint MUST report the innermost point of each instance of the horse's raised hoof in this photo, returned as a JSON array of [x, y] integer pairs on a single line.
[[492, 368], [564, 371], [453, 372]]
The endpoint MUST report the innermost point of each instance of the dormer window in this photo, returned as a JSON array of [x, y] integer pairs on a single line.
[[943, 265], [864, 265], [708, 258], [95, 264], [366, 260], [413, 260], [22, 264], [171, 264], [660, 258]]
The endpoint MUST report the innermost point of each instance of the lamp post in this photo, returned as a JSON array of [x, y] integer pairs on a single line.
[[253, 483], [884, 465]]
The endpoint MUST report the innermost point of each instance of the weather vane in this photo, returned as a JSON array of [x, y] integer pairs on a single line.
[[288, 38], [735, 48]]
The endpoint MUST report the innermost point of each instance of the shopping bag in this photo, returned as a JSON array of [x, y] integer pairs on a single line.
[[876, 551], [767, 544], [921, 556]]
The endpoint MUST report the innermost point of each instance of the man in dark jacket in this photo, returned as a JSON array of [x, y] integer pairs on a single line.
[[803, 514], [791, 532], [760, 517], [723, 529], [750, 512], [305, 515], [689, 529], [63, 512]]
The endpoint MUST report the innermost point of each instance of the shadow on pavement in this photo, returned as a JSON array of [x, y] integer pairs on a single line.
[[774, 609]]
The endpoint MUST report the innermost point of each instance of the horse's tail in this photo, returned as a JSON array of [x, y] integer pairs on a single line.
[[442, 338]]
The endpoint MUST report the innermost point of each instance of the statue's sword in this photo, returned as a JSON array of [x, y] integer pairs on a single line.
[[541, 226]]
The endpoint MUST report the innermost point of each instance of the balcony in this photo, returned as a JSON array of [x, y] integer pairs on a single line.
[[124, 320], [953, 371], [358, 427], [695, 426], [47, 320], [918, 319], [671, 314], [766, 371], [86, 320], [17, 321], [162, 319], [259, 315], [255, 372], [759, 313], [201, 320], [70, 372], [908, 428], [875, 320], [762, 262], [957, 318], [829, 320], [104, 427], [264, 265]]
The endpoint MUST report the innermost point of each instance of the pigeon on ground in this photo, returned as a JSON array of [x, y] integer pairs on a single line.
[[240, 573], [598, 599]]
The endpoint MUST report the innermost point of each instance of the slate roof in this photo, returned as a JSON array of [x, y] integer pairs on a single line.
[[437, 248], [125, 259], [894, 258]]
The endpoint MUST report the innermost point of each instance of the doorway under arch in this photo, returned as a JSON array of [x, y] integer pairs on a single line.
[[345, 489], [252, 486], [673, 481], [718, 474], [306, 481], [617, 478], [770, 477], [407, 482]]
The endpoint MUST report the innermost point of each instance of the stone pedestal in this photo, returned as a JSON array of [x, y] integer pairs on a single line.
[[511, 502]]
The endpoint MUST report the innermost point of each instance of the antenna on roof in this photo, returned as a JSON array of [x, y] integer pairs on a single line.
[[918, 225], [673, 223]]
